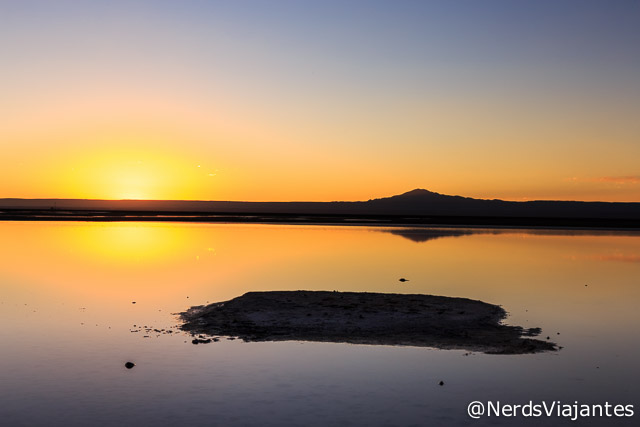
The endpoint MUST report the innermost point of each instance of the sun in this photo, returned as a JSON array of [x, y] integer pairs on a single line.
[[136, 171], [132, 180], [132, 195]]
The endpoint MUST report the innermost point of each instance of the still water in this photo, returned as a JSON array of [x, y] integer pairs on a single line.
[[66, 315]]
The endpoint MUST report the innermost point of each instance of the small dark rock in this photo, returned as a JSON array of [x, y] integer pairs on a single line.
[[441, 383], [129, 365], [133, 302], [402, 279]]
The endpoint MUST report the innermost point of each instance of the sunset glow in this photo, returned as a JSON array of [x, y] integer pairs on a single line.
[[319, 212], [319, 100]]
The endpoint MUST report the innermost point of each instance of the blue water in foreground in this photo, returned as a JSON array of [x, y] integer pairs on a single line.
[[67, 316]]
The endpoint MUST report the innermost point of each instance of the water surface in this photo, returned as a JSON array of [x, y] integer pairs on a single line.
[[66, 315]]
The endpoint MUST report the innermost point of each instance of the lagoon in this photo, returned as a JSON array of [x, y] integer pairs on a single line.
[[67, 312]]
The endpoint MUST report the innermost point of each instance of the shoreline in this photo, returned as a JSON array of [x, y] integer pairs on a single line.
[[394, 221]]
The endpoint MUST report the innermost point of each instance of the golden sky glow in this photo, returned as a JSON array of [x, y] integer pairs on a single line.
[[319, 101]]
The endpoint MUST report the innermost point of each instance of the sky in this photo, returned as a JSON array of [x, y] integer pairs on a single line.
[[319, 100]]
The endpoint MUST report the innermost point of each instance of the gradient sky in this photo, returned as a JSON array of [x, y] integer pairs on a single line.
[[320, 100]]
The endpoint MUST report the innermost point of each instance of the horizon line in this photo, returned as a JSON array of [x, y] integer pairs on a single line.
[[304, 201]]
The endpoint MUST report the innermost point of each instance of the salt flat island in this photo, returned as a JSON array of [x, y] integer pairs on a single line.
[[364, 318]]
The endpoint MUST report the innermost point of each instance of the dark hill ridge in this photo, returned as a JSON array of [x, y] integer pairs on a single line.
[[424, 202], [416, 203], [421, 194]]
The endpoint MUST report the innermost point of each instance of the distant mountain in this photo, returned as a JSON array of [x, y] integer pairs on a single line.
[[420, 194], [418, 202], [424, 202]]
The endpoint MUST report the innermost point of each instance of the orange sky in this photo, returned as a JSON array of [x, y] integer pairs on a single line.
[[320, 101]]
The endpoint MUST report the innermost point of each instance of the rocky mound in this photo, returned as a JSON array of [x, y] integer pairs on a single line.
[[365, 318]]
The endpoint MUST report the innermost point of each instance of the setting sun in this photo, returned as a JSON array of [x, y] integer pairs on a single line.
[[133, 172], [134, 180]]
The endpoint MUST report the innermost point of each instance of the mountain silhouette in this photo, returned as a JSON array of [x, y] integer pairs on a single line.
[[420, 194], [422, 205], [424, 202]]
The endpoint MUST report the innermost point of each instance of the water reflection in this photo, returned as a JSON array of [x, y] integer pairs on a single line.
[[66, 292], [420, 235], [618, 257], [127, 243], [425, 234]]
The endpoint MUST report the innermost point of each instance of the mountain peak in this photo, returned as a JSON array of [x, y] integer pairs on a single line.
[[417, 195], [419, 192]]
